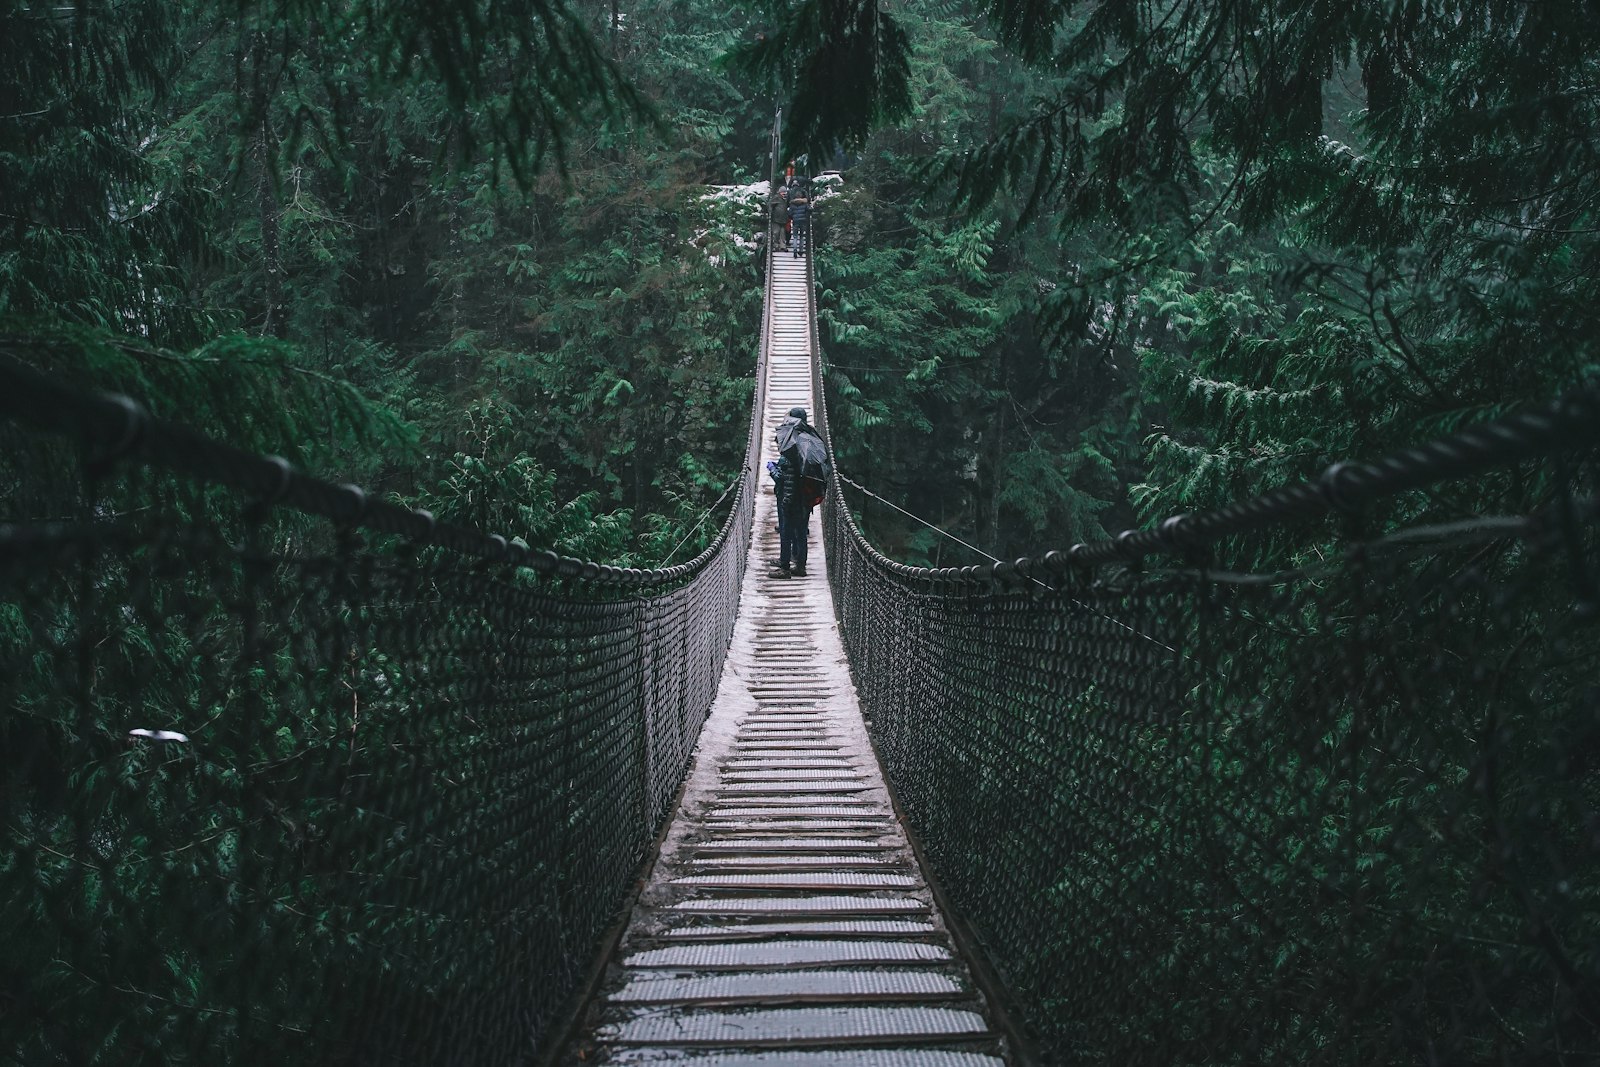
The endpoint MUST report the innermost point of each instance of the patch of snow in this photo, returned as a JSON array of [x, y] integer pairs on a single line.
[[1339, 148], [732, 209], [158, 735], [752, 191], [703, 239], [826, 186]]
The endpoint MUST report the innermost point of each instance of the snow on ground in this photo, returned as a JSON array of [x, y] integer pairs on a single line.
[[738, 240], [752, 191], [735, 214]]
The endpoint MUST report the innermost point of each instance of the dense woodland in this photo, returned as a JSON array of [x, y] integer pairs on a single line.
[[1091, 263], [1085, 265], [465, 264]]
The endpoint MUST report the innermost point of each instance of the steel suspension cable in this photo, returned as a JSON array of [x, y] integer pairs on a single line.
[[916, 518], [701, 520]]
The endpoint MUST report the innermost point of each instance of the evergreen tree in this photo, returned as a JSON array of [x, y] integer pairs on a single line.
[[1316, 230]]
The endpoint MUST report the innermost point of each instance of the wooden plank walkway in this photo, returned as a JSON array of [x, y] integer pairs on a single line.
[[786, 922]]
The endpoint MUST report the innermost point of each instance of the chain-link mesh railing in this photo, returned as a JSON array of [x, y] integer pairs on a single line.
[[1345, 813], [295, 775]]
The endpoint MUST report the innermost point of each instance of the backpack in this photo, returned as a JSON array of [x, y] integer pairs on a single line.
[[808, 459]]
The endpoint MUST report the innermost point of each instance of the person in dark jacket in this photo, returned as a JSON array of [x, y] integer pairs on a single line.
[[794, 500], [799, 224], [783, 490]]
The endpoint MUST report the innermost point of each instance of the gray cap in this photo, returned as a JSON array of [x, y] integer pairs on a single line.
[[798, 413]]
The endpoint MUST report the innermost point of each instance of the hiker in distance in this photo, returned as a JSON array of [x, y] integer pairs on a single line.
[[799, 222], [800, 474]]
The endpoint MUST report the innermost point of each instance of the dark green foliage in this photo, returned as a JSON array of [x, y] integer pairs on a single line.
[[315, 419], [336, 178], [1380, 212], [843, 64], [103, 201], [83, 235]]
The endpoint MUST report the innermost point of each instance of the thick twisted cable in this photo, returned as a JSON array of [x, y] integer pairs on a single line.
[[117, 427]]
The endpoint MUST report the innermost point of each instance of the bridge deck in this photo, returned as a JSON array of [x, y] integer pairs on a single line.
[[786, 921]]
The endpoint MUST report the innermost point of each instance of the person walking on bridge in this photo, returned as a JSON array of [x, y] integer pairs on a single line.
[[801, 475], [799, 223], [781, 211]]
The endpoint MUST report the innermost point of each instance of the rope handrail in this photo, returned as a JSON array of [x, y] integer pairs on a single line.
[[914, 517], [118, 428], [1567, 424]]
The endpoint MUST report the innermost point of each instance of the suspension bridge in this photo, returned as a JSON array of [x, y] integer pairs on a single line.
[[293, 772]]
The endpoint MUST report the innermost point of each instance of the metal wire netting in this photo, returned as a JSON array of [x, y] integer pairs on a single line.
[[318, 780], [1342, 813], [1348, 816]]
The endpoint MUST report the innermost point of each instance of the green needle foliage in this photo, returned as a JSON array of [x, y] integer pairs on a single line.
[[1257, 238], [1330, 229], [430, 211], [845, 65]]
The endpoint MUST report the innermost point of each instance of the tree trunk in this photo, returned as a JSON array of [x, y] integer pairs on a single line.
[[268, 212], [271, 254]]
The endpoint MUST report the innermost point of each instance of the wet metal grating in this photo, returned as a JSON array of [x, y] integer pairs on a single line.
[[876, 1057], [821, 905], [728, 931], [840, 1024], [747, 955], [756, 985]]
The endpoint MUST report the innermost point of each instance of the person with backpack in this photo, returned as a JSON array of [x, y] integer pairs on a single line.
[[801, 476]]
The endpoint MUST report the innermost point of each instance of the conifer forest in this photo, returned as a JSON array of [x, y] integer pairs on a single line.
[[1088, 262], [1080, 265]]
